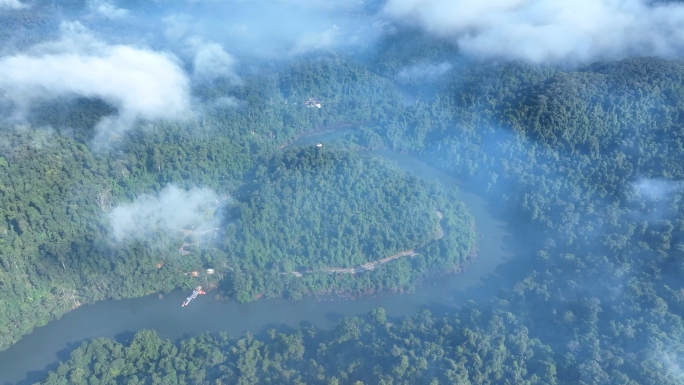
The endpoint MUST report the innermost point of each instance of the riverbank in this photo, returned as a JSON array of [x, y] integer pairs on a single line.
[[25, 361]]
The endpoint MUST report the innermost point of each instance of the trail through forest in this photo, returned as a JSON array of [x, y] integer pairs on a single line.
[[366, 266], [371, 265]]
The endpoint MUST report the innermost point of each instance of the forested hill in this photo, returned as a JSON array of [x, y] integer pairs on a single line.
[[588, 160], [57, 191], [591, 160], [310, 209]]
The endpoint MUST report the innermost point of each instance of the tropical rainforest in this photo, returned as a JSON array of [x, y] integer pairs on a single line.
[[316, 210], [475, 347], [586, 162]]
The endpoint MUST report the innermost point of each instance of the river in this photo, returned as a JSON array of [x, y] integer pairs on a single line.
[[26, 361]]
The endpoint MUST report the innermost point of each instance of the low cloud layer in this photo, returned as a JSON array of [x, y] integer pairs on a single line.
[[655, 189], [654, 197], [107, 9], [550, 30], [209, 60], [140, 83], [11, 4], [273, 29], [169, 211], [423, 72]]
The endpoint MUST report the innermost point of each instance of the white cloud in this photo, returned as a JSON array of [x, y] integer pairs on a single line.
[[273, 29], [107, 9], [12, 4], [655, 189], [212, 62], [177, 27], [423, 72], [140, 83], [225, 102], [317, 40], [652, 199], [550, 30], [209, 60], [169, 211]]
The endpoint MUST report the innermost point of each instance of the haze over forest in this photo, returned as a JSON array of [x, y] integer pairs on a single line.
[[152, 146]]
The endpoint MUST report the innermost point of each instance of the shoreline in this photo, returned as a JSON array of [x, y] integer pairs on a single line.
[[441, 290]]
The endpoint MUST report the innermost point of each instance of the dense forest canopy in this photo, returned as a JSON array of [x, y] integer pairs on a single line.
[[62, 181], [491, 347], [313, 209], [58, 232], [591, 159], [584, 161], [333, 208]]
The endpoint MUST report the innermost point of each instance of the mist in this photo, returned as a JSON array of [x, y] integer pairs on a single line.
[[576, 166], [143, 59], [655, 198], [259, 29], [107, 9], [12, 4], [169, 211], [555, 31], [655, 189], [423, 72], [209, 59], [138, 82]]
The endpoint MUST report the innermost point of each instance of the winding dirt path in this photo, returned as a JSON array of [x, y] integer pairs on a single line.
[[371, 265], [358, 269]]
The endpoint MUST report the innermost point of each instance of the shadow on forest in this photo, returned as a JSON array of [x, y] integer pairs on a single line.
[[77, 116]]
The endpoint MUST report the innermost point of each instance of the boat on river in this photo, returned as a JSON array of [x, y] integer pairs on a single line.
[[195, 293]]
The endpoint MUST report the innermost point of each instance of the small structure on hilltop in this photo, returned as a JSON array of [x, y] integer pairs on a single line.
[[313, 103]]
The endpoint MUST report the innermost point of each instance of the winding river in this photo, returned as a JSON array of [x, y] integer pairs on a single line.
[[26, 361]]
